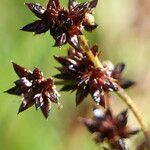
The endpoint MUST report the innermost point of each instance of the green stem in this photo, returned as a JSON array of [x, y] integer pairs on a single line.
[[86, 48], [121, 93]]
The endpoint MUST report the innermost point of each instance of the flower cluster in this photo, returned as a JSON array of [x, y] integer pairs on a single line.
[[80, 71], [80, 74], [111, 129], [64, 24], [35, 89]]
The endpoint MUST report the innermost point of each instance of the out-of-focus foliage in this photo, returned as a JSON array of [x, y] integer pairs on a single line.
[[120, 41]]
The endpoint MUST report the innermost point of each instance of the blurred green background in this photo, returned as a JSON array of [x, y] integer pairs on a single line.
[[123, 36]]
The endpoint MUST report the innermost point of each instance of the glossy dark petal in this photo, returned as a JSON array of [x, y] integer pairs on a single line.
[[23, 82], [74, 42], [60, 40], [86, 7], [120, 67], [90, 28], [82, 92], [94, 50], [112, 86], [118, 70], [127, 84], [122, 119], [53, 4], [72, 4], [77, 19], [98, 138], [92, 4], [81, 8], [108, 114], [71, 51], [21, 71], [37, 27], [37, 9], [37, 74], [67, 63], [99, 98], [91, 125], [59, 35], [45, 108], [28, 102], [134, 132], [38, 100], [71, 62], [17, 90], [54, 97], [121, 145], [62, 60], [83, 80]]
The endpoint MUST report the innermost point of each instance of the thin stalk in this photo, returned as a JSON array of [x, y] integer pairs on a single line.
[[121, 93], [86, 48]]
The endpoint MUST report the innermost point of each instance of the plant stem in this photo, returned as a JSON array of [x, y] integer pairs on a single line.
[[121, 93], [86, 48]]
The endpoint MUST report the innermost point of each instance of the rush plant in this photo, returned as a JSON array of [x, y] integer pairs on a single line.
[[81, 71]]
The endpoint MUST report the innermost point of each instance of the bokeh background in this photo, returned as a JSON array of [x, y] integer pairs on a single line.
[[123, 35]]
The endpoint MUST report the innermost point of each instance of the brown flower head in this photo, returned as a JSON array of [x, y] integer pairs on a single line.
[[112, 129], [117, 73], [64, 24], [35, 89], [81, 75]]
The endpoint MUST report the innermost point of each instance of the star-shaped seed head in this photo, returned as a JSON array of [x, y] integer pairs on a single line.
[[80, 75], [108, 128], [35, 90], [64, 24]]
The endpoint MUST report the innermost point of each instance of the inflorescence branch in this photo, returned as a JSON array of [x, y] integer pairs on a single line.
[[84, 44], [81, 71], [120, 92]]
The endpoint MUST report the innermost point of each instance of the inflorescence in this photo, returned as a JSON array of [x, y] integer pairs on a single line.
[[35, 90], [80, 74], [111, 129], [77, 71], [64, 24]]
